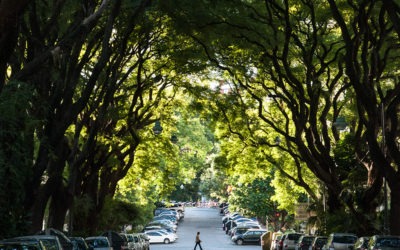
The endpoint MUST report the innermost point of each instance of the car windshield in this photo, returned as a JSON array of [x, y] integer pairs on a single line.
[[18, 247], [50, 244], [294, 237], [345, 239], [308, 239], [321, 241], [389, 242], [98, 243]]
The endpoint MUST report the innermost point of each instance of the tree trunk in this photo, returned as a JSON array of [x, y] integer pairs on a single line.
[[333, 201], [39, 207], [60, 203]]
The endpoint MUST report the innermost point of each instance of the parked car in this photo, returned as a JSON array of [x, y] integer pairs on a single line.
[[50, 242], [242, 228], [125, 242], [11, 244], [361, 243], [164, 224], [64, 240], [276, 236], [117, 241], [222, 208], [171, 212], [229, 225], [172, 236], [304, 242], [384, 242], [98, 243], [158, 237], [252, 236], [146, 241], [171, 218], [152, 228], [79, 243], [230, 217], [179, 207], [289, 241], [319, 242], [340, 241], [131, 243]]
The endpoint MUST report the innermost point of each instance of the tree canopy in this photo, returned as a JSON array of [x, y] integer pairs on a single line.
[[294, 98]]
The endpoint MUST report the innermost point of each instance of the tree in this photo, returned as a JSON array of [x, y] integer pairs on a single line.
[[294, 63], [369, 40], [96, 80]]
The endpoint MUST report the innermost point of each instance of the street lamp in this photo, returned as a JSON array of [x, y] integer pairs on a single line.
[[157, 129]]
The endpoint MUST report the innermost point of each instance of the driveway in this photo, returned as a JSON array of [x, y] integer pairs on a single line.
[[207, 221]]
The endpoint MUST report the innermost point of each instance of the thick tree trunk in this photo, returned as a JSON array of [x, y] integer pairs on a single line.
[[38, 209], [333, 202], [60, 204]]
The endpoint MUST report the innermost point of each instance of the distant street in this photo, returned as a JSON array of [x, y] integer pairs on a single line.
[[208, 222]]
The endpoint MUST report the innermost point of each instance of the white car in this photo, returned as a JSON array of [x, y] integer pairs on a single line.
[[165, 232], [158, 237]]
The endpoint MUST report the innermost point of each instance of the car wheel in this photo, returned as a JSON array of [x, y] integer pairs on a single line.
[[166, 241], [239, 242]]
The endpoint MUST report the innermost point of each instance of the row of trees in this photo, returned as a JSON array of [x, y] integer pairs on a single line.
[[81, 86], [296, 68], [83, 82]]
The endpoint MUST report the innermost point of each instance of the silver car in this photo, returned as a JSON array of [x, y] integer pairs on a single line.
[[289, 240], [340, 241]]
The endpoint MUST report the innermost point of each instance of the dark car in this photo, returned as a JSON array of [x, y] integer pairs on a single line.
[[79, 243], [117, 241], [252, 236], [50, 242], [11, 244], [242, 228], [304, 242], [319, 242], [384, 242], [64, 240]]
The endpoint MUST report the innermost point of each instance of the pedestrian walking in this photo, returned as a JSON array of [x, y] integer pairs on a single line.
[[198, 241]]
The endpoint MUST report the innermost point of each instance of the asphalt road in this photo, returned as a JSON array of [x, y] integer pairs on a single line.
[[207, 221]]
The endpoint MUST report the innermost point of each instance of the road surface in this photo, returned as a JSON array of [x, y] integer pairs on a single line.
[[208, 222]]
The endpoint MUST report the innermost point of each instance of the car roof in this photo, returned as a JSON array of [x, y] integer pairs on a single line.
[[19, 241], [40, 236], [28, 242], [342, 234], [386, 236], [96, 237]]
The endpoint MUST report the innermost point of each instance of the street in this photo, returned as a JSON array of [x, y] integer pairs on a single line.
[[207, 221]]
